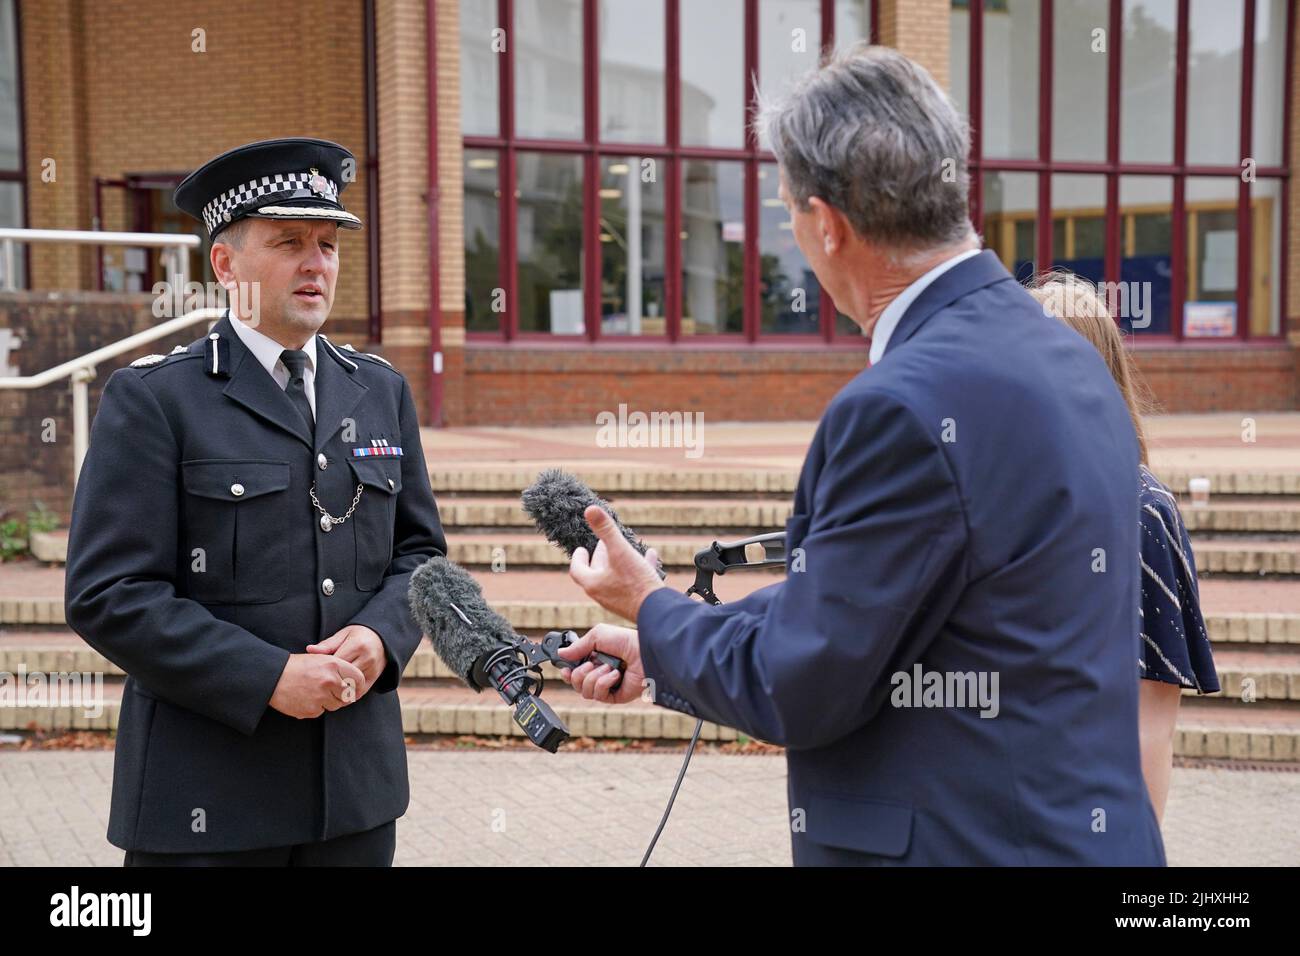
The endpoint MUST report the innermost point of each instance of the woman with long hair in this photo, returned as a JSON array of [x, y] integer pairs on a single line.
[[1174, 649]]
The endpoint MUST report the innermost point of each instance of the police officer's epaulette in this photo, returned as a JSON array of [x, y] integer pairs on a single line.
[[147, 360], [366, 355]]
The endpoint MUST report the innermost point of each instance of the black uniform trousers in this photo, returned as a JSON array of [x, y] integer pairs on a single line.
[[367, 848]]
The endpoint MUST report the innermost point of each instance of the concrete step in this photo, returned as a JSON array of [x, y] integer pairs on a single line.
[[508, 479], [1249, 515], [520, 547], [428, 707], [1249, 676], [1267, 673], [745, 516], [1214, 727], [513, 550], [1233, 481], [1245, 610], [688, 478], [1232, 533], [1206, 728], [1231, 556], [509, 549]]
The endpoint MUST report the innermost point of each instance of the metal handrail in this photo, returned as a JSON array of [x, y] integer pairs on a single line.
[[174, 246], [82, 370]]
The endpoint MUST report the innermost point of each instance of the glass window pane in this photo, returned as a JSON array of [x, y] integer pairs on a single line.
[[11, 216], [632, 81], [1266, 251], [1079, 225], [1270, 81], [789, 38], [166, 216], [484, 300], [852, 22], [1147, 81], [1146, 260], [480, 62], [789, 293], [1011, 81], [959, 57], [550, 244], [713, 66], [713, 247], [548, 68], [10, 147], [1079, 63], [1210, 309], [631, 246], [1214, 81], [1010, 226]]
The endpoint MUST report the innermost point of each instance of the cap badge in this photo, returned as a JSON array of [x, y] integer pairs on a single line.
[[319, 185]]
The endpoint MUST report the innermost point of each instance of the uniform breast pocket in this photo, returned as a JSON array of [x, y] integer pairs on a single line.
[[372, 522], [234, 532]]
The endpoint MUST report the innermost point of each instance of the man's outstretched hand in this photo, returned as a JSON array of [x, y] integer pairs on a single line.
[[616, 577]]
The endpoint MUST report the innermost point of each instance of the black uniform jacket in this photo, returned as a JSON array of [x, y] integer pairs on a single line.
[[197, 563]]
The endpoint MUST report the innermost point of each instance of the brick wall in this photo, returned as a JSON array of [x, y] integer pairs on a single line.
[[918, 28], [1192, 379], [113, 87], [404, 189], [533, 386], [55, 328], [512, 386]]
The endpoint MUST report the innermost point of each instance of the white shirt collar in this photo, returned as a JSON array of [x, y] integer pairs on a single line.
[[894, 312], [267, 350]]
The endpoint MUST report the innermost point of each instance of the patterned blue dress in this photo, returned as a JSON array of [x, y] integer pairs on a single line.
[[1174, 645]]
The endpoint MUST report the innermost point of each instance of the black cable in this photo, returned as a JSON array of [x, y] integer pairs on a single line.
[[710, 598], [690, 749]]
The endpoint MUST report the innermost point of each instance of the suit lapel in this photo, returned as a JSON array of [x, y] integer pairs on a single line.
[[337, 392], [962, 279], [251, 386]]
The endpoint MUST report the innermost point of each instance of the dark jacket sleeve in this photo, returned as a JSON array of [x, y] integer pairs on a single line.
[[119, 588], [882, 552], [417, 537]]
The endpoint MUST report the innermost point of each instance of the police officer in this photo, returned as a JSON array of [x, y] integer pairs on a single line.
[[247, 518]]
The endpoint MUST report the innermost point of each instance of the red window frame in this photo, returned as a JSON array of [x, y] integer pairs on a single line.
[[507, 146], [1113, 168]]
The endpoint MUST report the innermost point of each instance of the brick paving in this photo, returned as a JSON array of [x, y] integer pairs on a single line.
[[500, 808], [1212, 441]]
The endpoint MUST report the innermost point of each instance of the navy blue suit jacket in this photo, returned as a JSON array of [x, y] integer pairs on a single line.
[[969, 506]]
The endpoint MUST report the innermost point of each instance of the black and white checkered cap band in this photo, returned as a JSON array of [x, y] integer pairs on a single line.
[[282, 185]]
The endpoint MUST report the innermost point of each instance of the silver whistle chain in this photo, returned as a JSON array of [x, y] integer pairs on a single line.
[[327, 520]]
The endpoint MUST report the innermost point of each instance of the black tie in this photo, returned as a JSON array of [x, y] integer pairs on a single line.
[[295, 360]]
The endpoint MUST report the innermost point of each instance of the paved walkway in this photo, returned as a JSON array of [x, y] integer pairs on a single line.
[[1215, 442], [501, 808]]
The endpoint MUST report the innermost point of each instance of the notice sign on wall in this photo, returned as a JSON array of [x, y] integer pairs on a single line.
[[1209, 320]]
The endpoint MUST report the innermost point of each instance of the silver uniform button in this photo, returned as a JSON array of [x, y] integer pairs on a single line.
[[236, 489], [327, 586], [390, 484], [322, 462]]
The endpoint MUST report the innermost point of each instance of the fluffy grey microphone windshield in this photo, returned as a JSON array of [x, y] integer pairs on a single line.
[[556, 501], [449, 607]]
